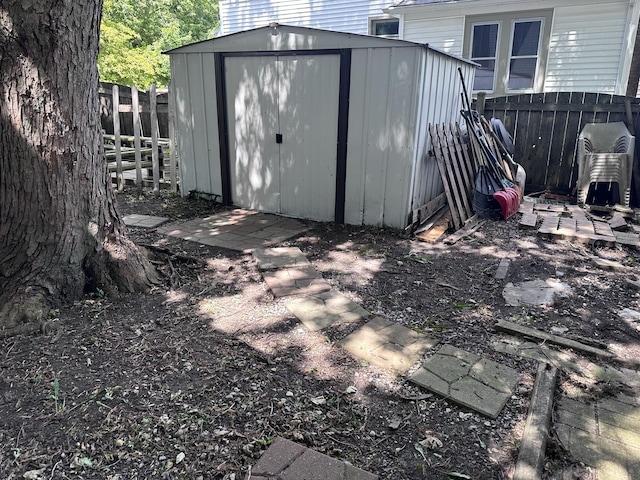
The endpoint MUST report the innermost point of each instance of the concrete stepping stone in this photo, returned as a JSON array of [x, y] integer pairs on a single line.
[[534, 292], [286, 460], [280, 257], [387, 344], [467, 379], [325, 309], [602, 434], [143, 221], [295, 281]]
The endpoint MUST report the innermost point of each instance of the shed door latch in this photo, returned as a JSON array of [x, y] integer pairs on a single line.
[[278, 138]]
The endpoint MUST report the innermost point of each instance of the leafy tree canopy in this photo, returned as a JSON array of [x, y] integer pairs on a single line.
[[135, 32]]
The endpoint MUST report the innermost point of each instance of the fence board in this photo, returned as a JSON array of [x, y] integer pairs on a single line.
[[155, 161], [146, 152], [556, 142], [545, 137], [116, 131]]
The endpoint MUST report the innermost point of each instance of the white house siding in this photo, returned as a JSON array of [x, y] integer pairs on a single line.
[[442, 33], [350, 16], [197, 124], [382, 127], [586, 48]]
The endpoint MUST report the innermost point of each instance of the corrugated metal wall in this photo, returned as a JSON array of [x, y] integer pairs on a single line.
[[442, 103], [344, 16], [193, 81], [586, 48], [383, 110]]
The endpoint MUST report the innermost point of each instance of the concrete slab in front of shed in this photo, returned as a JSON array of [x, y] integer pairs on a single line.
[[238, 229], [143, 221], [467, 379], [280, 257], [325, 309], [387, 344], [295, 281]]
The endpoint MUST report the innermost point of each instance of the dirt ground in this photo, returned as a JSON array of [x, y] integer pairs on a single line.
[[196, 378]]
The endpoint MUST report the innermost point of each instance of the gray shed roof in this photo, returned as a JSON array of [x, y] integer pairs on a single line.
[[277, 37]]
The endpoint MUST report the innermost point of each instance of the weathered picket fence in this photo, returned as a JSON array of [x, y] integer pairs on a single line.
[[152, 156]]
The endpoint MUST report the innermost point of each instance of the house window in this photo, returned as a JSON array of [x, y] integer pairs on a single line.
[[483, 51], [524, 54], [509, 48], [384, 27]]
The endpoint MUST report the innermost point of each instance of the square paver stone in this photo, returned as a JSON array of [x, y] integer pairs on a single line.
[[325, 309], [238, 229], [286, 460], [143, 221], [602, 434], [467, 379], [387, 344], [295, 281], [280, 257]]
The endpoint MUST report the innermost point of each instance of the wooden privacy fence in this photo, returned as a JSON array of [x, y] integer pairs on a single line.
[[546, 126], [125, 145]]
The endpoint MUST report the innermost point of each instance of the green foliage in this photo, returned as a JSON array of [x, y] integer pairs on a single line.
[[135, 32]]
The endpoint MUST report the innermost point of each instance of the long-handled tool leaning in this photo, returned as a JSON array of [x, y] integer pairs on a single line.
[[506, 196]]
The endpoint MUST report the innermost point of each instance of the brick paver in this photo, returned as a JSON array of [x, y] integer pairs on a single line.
[[467, 379], [325, 309], [286, 460], [387, 344], [577, 227], [238, 229], [143, 221]]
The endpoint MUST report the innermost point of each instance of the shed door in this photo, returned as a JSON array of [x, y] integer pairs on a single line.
[[283, 125]]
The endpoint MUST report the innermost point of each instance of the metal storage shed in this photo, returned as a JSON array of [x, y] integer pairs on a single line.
[[313, 124]]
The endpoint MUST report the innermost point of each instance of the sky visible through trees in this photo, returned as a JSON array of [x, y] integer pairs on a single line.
[[135, 32]]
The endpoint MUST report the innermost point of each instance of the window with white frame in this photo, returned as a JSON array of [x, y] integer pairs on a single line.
[[508, 48], [484, 50], [384, 27], [525, 46]]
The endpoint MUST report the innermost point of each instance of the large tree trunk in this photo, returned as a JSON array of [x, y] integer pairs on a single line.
[[60, 233]]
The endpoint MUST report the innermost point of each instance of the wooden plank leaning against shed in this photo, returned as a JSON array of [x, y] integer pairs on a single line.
[[456, 170], [453, 196], [454, 167]]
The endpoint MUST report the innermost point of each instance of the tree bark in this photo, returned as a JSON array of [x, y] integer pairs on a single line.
[[60, 234]]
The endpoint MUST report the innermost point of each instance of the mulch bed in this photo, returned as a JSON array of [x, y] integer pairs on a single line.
[[197, 377]]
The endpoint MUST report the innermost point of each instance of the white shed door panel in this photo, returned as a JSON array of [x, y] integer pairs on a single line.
[[252, 106], [296, 97]]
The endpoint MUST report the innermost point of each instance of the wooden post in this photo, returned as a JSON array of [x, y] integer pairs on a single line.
[[155, 162], [115, 93], [135, 106], [480, 101], [172, 142]]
